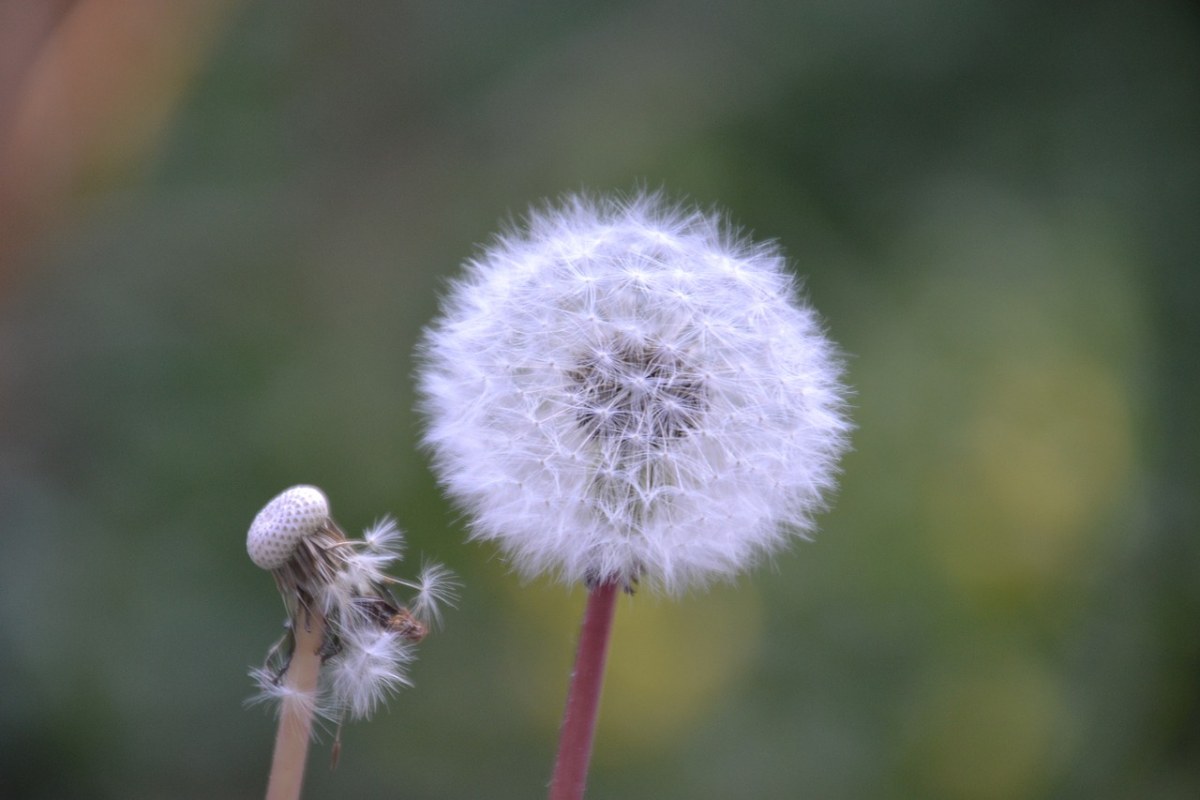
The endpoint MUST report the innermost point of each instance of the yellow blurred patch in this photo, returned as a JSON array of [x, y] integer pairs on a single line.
[[670, 661], [996, 729], [1041, 457]]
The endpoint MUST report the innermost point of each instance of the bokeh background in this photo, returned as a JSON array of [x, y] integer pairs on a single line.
[[224, 224]]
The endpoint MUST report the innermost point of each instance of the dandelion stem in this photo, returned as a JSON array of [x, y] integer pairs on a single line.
[[583, 698], [296, 715]]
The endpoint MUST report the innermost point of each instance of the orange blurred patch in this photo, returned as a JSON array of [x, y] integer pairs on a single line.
[[91, 86]]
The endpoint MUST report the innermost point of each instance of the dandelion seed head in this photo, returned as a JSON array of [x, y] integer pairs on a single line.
[[290, 517], [625, 390], [338, 589]]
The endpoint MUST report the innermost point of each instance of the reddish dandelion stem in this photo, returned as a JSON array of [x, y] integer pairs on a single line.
[[583, 698]]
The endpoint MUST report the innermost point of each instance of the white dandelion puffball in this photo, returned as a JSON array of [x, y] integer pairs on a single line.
[[291, 516], [624, 390]]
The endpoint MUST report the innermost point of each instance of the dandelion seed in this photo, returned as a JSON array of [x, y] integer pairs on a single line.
[[384, 537], [369, 670], [435, 587]]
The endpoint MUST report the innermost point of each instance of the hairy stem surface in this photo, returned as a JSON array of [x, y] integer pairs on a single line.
[[296, 716], [583, 698]]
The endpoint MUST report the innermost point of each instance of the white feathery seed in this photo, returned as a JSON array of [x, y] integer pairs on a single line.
[[279, 695], [370, 669], [385, 538], [368, 561], [434, 588], [625, 390]]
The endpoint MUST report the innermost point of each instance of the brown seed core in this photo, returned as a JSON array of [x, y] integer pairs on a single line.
[[635, 393], [633, 398]]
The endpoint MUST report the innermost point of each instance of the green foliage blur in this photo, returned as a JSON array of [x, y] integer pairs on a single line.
[[993, 205]]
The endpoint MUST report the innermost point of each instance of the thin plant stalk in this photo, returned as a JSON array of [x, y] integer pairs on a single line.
[[296, 715], [583, 698]]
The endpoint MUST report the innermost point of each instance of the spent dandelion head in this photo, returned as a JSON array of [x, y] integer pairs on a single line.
[[624, 389], [341, 587]]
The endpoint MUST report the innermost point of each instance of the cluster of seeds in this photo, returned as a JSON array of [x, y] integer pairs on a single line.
[[626, 389], [369, 637]]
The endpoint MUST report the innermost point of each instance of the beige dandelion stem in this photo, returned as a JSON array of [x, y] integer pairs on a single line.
[[296, 715]]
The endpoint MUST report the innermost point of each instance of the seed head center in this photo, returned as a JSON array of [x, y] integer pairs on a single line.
[[636, 393]]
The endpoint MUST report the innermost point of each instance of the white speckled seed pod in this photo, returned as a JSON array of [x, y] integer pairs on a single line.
[[294, 514]]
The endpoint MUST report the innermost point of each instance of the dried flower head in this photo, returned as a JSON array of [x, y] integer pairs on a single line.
[[294, 515], [623, 390], [369, 637]]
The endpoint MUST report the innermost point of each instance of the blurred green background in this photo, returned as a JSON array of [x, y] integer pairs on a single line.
[[225, 224]]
